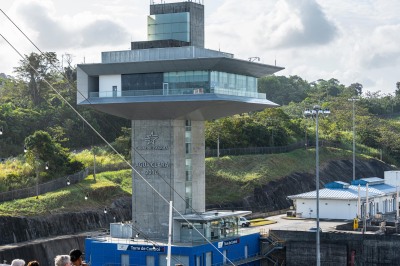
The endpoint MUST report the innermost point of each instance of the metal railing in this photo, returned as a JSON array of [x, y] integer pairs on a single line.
[[109, 167], [183, 91], [255, 150], [283, 149], [44, 187]]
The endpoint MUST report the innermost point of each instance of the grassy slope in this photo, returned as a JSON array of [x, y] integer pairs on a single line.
[[228, 179], [231, 178], [108, 185]]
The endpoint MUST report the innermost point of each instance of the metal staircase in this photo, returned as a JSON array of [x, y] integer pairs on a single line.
[[273, 248]]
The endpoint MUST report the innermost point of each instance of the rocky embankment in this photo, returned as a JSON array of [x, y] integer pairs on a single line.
[[273, 195], [21, 229], [269, 197], [43, 237]]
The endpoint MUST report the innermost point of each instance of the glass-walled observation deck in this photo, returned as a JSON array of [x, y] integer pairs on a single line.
[[180, 83]]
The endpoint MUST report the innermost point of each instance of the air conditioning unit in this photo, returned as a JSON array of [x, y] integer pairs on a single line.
[[198, 91]]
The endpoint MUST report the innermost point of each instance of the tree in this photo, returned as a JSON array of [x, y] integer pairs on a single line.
[[123, 143], [35, 70], [41, 149], [283, 90], [355, 89]]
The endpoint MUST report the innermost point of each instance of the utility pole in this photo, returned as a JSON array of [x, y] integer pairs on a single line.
[[94, 163], [314, 113], [353, 99]]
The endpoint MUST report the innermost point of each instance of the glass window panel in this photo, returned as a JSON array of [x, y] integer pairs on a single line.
[[151, 29], [188, 190], [188, 203], [167, 28], [188, 175], [188, 147], [145, 81], [231, 81]]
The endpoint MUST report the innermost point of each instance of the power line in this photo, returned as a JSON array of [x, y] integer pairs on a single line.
[[108, 144], [90, 103]]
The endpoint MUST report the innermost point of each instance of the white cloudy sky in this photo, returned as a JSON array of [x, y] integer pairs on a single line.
[[352, 41]]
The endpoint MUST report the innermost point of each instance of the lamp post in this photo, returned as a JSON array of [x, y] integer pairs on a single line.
[[218, 145], [353, 99], [314, 113]]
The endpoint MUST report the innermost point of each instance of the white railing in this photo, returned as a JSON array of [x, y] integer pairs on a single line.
[[184, 91]]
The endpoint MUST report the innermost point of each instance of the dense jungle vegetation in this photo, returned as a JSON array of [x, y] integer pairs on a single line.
[[34, 117]]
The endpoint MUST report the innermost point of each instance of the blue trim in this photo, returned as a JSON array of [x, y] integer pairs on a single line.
[[101, 253]]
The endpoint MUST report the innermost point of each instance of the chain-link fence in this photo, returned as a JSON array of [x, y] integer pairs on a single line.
[[44, 187], [288, 148], [255, 150]]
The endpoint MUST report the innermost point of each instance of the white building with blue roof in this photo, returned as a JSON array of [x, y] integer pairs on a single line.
[[341, 200]]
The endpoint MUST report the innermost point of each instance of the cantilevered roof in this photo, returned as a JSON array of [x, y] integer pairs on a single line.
[[196, 107], [223, 64]]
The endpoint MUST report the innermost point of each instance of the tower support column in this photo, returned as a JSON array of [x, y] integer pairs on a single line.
[[169, 154]]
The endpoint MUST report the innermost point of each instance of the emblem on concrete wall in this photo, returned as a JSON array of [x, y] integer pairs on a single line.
[[151, 139]]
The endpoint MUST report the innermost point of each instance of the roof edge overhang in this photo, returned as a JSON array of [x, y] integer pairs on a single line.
[[198, 107], [222, 64]]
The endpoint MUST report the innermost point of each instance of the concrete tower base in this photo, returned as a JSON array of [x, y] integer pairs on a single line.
[[169, 155]]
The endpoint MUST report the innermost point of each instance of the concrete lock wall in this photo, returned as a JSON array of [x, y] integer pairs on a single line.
[[337, 248], [42, 251]]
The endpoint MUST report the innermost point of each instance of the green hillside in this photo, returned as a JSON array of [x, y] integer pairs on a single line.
[[107, 187], [228, 179]]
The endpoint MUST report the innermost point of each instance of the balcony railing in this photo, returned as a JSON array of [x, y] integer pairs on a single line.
[[185, 91]]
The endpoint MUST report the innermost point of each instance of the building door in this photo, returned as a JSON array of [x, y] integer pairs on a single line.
[[165, 89], [114, 91], [224, 253], [150, 261], [208, 259], [124, 260]]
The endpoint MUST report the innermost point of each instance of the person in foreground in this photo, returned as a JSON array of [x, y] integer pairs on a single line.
[[62, 260], [33, 263], [18, 262], [76, 257]]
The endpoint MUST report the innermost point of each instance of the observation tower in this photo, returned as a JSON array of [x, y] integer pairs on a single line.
[[168, 86]]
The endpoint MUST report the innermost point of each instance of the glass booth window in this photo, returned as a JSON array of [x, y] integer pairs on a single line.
[[188, 82], [174, 26], [140, 83], [232, 82]]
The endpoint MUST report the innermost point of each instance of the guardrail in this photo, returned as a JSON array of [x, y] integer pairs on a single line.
[[183, 91]]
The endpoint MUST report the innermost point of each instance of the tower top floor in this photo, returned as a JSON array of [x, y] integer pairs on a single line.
[[172, 75], [174, 25]]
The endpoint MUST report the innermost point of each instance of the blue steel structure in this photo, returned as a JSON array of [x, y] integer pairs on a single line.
[[240, 250]]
